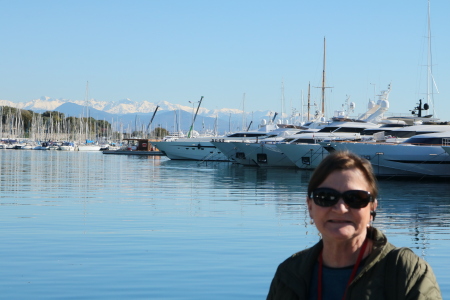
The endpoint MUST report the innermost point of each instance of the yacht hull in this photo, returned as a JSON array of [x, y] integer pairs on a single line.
[[261, 155], [401, 159], [190, 150], [304, 156]]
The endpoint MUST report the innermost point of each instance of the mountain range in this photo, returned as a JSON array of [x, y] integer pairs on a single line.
[[132, 115]]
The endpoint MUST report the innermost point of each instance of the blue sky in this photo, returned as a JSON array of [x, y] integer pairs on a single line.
[[178, 51]]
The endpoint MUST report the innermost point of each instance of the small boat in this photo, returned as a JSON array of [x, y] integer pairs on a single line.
[[88, 146], [67, 146], [43, 146], [136, 147]]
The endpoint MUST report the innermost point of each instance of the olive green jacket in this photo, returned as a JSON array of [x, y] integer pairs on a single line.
[[388, 273]]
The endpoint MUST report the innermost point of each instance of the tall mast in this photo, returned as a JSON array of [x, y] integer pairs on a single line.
[[87, 111], [282, 100], [301, 112], [430, 79], [323, 77]]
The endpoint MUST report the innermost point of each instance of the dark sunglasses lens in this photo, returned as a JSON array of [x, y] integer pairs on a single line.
[[356, 199], [325, 197]]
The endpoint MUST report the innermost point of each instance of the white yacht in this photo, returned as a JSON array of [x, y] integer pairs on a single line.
[[419, 156], [226, 144], [173, 136], [304, 150], [205, 148], [265, 153], [199, 148], [88, 147]]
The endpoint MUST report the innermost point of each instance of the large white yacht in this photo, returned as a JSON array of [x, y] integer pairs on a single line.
[[226, 146], [205, 148], [198, 148], [304, 150], [259, 153], [420, 155]]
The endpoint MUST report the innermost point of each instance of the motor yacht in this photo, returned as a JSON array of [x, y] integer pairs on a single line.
[[418, 156]]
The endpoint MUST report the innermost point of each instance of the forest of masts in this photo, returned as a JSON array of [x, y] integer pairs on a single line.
[[54, 126]]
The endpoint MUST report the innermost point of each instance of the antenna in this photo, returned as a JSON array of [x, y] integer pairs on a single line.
[[243, 111], [309, 100]]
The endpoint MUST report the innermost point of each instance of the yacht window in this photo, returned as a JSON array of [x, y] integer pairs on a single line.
[[240, 155], [408, 134], [372, 131], [403, 134], [261, 158], [426, 141], [305, 141], [394, 125], [241, 134], [306, 160], [349, 129], [328, 129]]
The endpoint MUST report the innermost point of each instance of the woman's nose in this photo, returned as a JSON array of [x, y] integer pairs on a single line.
[[341, 205]]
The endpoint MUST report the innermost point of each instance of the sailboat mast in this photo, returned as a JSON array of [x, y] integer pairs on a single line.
[[87, 111], [282, 100], [430, 98], [301, 112], [323, 77]]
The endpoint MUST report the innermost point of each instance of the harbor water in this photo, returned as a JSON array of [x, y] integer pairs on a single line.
[[83, 225]]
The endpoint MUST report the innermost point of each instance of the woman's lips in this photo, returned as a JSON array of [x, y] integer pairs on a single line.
[[340, 221]]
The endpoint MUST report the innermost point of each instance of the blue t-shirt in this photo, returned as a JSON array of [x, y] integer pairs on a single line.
[[334, 281]]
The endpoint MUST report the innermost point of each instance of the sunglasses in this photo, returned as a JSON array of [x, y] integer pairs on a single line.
[[327, 197]]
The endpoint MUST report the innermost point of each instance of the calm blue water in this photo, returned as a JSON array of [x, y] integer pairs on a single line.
[[87, 225]]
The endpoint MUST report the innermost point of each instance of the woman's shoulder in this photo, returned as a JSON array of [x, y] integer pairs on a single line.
[[412, 272], [406, 258], [302, 259]]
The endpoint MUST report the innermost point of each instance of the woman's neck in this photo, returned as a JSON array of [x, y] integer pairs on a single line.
[[343, 254]]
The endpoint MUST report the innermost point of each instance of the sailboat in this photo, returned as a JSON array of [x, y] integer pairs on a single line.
[[89, 144]]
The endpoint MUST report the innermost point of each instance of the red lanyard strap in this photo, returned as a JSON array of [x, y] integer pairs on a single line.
[[352, 276]]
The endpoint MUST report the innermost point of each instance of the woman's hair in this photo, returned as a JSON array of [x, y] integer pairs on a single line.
[[343, 160]]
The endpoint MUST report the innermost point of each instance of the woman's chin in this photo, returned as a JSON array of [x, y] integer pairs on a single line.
[[341, 232]]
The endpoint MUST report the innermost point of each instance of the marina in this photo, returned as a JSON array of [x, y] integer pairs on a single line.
[[85, 225], [143, 188]]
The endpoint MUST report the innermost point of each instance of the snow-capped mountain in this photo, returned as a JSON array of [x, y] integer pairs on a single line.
[[122, 107], [128, 111]]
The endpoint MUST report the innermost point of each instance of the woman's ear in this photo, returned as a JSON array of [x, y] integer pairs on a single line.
[[309, 203], [373, 208], [374, 204]]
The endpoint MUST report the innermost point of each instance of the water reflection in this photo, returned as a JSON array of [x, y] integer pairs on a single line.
[[174, 217]]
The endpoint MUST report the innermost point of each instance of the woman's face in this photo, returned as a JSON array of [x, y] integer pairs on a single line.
[[340, 222]]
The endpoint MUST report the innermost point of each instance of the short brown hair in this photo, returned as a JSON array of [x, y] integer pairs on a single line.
[[343, 160]]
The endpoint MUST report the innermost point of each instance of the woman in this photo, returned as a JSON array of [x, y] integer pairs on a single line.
[[353, 260]]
